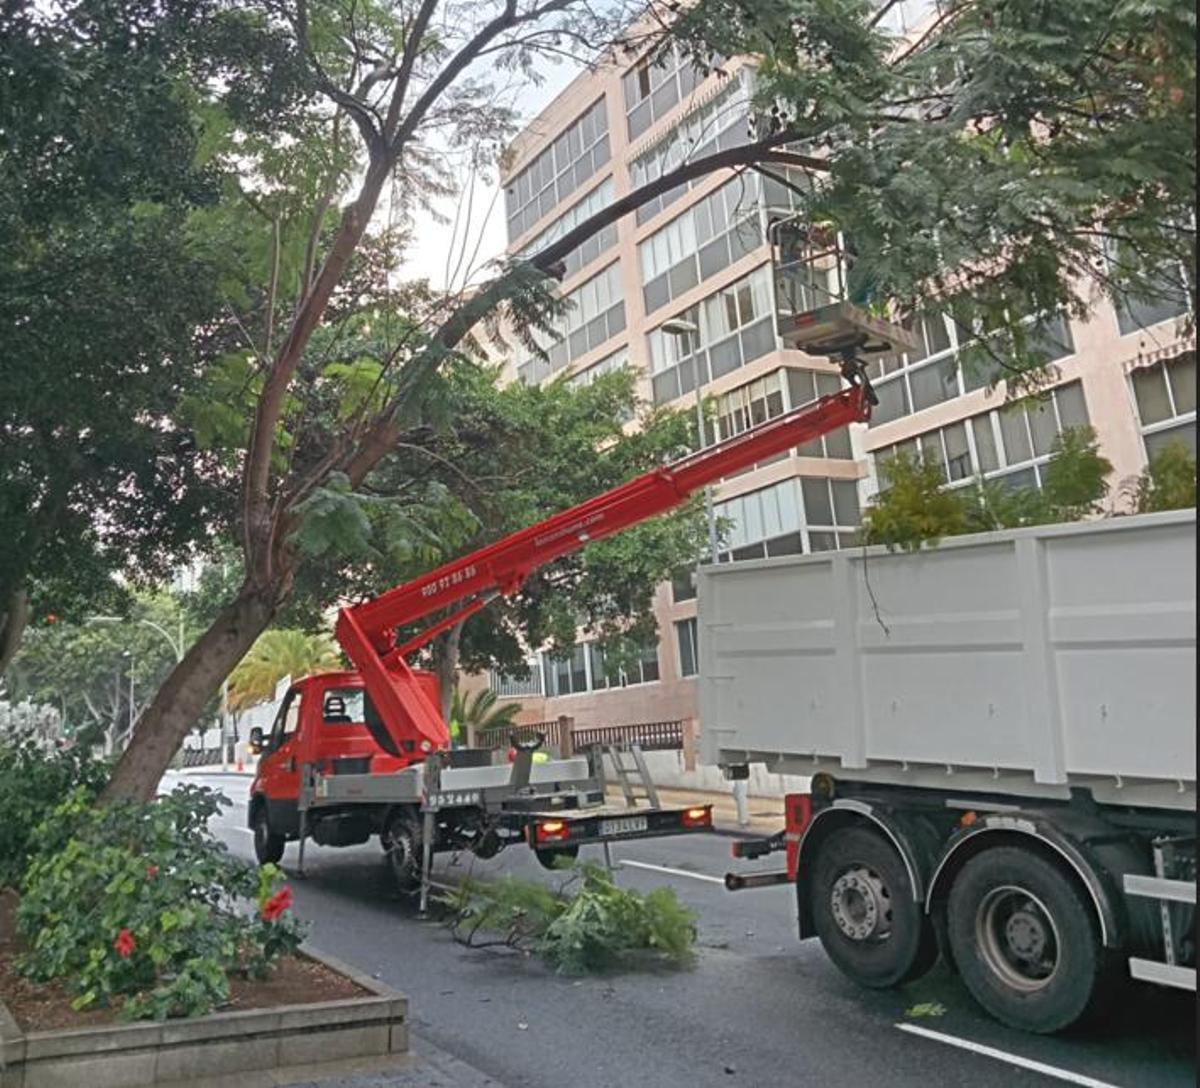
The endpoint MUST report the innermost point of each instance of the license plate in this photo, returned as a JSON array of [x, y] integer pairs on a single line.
[[625, 825]]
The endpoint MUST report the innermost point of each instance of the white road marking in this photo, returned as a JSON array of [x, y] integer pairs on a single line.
[[1004, 1056], [672, 872]]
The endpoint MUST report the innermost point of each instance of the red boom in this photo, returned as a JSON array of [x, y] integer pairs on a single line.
[[367, 631]]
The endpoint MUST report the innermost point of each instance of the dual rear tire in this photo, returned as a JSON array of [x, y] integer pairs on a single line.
[[1023, 935]]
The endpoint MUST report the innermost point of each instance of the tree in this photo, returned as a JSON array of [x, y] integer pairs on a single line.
[[1048, 124], [274, 655], [507, 458], [90, 671], [471, 715], [917, 509], [105, 290], [1168, 482]]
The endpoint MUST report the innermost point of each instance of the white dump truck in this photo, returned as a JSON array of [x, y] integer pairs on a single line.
[[1001, 738]]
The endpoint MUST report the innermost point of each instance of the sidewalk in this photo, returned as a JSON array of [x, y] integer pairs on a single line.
[[425, 1066]]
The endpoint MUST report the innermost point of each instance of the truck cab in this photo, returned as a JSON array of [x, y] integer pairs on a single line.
[[321, 722]]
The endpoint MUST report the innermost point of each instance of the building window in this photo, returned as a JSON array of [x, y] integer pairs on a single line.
[[719, 124], [655, 85], [1170, 300], [913, 381], [736, 325], [791, 517], [507, 685], [1011, 444], [683, 585], [1165, 393], [904, 16], [595, 312], [587, 251], [707, 238], [805, 386], [559, 170], [584, 669], [689, 650]]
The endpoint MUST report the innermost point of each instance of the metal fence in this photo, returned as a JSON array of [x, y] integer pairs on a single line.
[[201, 757], [650, 736], [499, 738], [664, 736]]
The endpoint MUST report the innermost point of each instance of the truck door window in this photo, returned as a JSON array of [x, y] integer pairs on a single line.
[[286, 721]]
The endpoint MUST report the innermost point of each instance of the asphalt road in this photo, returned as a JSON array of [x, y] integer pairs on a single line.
[[759, 1007]]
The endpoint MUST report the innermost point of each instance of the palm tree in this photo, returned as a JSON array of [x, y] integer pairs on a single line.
[[274, 655], [471, 715]]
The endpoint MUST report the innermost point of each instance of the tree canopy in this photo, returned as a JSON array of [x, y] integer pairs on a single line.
[[1013, 160]]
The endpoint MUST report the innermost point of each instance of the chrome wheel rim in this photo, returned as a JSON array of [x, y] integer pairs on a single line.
[[861, 905]]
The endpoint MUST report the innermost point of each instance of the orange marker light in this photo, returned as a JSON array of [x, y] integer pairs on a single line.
[[697, 817]]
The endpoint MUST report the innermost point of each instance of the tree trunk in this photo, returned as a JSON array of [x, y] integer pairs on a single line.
[[445, 665], [183, 696], [12, 625]]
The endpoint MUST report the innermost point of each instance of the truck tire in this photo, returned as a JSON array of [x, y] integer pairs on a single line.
[[549, 859], [864, 911], [402, 844], [268, 844], [1026, 941]]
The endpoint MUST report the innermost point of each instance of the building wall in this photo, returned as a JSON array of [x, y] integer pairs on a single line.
[[1102, 359]]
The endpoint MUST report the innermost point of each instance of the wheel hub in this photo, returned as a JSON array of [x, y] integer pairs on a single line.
[[1026, 935], [1017, 938], [402, 849], [861, 905]]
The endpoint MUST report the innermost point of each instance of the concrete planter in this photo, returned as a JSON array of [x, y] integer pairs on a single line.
[[223, 1044]]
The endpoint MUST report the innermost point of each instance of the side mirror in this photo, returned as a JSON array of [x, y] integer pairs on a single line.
[[255, 741]]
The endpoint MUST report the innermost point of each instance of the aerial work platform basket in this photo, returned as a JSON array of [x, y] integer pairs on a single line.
[[820, 309]]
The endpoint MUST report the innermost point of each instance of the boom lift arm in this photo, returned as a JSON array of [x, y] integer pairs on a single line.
[[403, 718]]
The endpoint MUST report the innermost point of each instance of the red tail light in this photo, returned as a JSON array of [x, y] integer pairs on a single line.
[[701, 816], [552, 831], [797, 815]]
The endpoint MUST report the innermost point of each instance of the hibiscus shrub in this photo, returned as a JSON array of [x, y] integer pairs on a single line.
[[139, 904], [34, 776]]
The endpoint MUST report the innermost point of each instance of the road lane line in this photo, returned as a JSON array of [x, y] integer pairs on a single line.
[[1004, 1056], [672, 872]]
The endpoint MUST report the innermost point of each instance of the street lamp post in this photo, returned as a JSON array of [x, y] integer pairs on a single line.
[[683, 331]]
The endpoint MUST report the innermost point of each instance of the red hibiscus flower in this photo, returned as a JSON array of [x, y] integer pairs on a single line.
[[151, 872], [277, 904], [124, 944]]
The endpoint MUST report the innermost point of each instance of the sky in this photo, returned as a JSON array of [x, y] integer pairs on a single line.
[[445, 253]]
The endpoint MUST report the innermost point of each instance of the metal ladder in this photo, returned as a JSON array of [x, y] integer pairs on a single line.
[[634, 780]]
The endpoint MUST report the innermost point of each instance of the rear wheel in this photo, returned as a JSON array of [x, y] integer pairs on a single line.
[[864, 910], [268, 844], [553, 859], [402, 843], [1026, 940]]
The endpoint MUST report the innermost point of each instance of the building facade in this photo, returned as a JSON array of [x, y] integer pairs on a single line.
[[697, 257]]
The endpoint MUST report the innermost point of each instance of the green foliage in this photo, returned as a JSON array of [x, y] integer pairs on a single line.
[[109, 306], [917, 508], [590, 924], [1075, 481], [34, 777], [1168, 482], [984, 167], [479, 712], [83, 668], [274, 655], [140, 904]]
